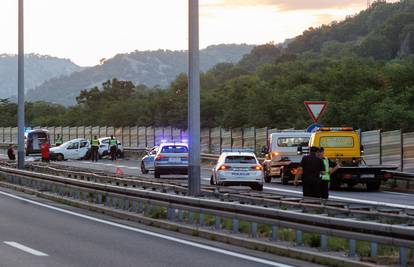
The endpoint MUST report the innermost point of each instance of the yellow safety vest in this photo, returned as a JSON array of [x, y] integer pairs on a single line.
[[112, 142], [326, 176], [95, 142]]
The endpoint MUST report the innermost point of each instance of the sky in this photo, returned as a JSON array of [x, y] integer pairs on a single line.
[[86, 31]]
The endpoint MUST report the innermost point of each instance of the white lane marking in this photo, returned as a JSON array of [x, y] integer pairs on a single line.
[[398, 193], [360, 201], [25, 249], [146, 232]]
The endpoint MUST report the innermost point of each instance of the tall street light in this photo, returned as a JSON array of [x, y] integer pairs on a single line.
[[193, 100], [20, 90]]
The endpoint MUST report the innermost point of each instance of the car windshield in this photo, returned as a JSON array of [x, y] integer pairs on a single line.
[[174, 149], [240, 159], [292, 141]]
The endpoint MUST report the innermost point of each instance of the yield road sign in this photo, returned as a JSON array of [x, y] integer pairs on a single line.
[[316, 109]]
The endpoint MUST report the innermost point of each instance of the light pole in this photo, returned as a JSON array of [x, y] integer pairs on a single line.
[[20, 90], [193, 100]]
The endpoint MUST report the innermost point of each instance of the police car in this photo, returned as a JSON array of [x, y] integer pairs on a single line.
[[171, 158], [147, 162], [238, 167]]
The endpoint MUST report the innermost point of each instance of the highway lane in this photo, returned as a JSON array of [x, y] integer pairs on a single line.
[[35, 232], [131, 167]]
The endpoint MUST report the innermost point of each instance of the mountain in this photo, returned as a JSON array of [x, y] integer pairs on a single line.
[[38, 69], [152, 68], [384, 31]]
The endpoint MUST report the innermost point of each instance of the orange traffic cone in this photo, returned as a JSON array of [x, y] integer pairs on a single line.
[[119, 171]]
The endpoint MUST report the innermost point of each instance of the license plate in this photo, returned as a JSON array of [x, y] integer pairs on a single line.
[[240, 173], [174, 160], [240, 169], [367, 175]]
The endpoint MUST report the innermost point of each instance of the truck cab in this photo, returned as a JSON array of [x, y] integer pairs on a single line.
[[282, 158], [343, 145]]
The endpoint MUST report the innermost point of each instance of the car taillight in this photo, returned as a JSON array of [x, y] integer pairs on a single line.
[[224, 168], [388, 175], [275, 154], [159, 157], [347, 176], [257, 168]]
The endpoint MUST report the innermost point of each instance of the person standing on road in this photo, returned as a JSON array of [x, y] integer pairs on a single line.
[[94, 149], [10, 152], [310, 169], [113, 148], [44, 149], [58, 140], [329, 168]]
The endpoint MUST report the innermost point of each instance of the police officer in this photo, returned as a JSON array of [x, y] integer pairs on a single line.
[[95, 148], [58, 140], [329, 168], [113, 147], [310, 169]]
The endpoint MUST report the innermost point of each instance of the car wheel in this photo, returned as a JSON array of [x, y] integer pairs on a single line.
[[143, 170], [257, 187], [120, 154], [60, 157], [373, 186], [157, 174], [211, 180]]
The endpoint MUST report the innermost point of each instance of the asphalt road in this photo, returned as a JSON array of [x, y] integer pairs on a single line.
[[35, 232], [131, 167]]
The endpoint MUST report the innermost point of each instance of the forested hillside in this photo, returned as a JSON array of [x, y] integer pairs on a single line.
[[38, 68], [152, 68], [368, 86]]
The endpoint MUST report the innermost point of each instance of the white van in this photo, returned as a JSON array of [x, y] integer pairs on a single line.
[[73, 149], [282, 158]]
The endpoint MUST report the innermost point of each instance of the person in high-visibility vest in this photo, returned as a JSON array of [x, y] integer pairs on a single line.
[[330, 167], [58, 140], [94, 149], [113, 147]]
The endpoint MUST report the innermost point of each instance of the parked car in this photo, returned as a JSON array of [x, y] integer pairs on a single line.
[[104, 149], [74, 149], [147, 162], [238, 168]]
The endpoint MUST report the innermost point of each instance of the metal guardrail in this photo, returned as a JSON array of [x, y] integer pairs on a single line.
[[401, 236], [316, 206]]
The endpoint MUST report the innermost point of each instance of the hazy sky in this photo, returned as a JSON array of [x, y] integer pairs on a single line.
[[88, 30]]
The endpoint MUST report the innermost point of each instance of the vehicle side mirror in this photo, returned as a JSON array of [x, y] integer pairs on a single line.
[[300, 150]]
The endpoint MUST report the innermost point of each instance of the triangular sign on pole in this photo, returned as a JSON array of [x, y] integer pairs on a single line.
[[316, 109]]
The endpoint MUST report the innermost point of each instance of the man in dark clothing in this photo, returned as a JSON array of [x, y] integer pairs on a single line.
[[310, 168], [10, 152]]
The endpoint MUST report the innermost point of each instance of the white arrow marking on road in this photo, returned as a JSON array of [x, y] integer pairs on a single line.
[[25, 249]]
